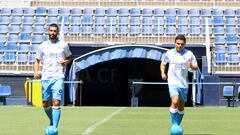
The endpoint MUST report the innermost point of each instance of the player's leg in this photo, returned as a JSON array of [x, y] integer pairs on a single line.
[[174, 94], [47, 97], [183, 98], [57, 90]]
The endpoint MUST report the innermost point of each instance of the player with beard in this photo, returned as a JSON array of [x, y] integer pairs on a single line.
[[54, 55]]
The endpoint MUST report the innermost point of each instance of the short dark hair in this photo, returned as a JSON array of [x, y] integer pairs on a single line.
[[54, 25], [180, 37]]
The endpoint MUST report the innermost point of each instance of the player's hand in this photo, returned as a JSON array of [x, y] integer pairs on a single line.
[[63, 62], [164, 76], [35, 76], [189, 64]]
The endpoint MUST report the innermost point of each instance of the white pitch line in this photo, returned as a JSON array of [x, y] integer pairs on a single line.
[[90, 129]]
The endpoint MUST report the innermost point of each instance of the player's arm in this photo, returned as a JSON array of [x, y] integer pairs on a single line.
[[66, 61], [36, 65], [163, 70]]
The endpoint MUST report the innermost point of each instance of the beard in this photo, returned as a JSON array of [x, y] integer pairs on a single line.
[[52, 36]]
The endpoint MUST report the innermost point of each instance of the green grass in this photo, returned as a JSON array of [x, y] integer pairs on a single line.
[[18, 120]]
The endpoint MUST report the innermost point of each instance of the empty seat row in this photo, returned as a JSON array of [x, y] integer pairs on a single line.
[[43, 11], [21, 58], [223, 59]]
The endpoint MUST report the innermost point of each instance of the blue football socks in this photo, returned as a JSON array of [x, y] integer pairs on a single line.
[[179, 116], [173, 114], [48, 111], [56, 113]]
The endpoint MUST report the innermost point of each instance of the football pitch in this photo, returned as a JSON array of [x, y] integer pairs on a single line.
[[19, 120]]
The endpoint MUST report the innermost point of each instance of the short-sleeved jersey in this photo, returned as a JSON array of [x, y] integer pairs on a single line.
[[50, 54], [178, 70]]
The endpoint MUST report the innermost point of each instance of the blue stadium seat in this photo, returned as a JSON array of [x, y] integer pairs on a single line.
[[1, 58], [15, 29], [52, 12], [65, 29], [87, 20], [9, 58], [206, 12], [74, 29], [38, 29], [158, 21], [218, 21], [194, 21], [210, 22], [209, 30], [158, 30], [171, 21], [29, 12], [51, 19], [232, 49], [123, 30], [64, 12], [16, 20], [233, 59], [28, 20], [182, 12], [182, 21], [230, 21], [147, 12], [3, 29], [219, 30], [23, 48], [111, 30], [238, 21], [183, 30], [76, 20], [12, 38], [135, 12], [238, 13], [37, 39], [220, 49], [34, 48], [231, 30], [99, 20], [171, 30], [217, 12], [5, 90], [232, 40], [135, 21], [100, 12], [123, 20], [66, 20], [17, 12], [112, 12], [1, 47], [6, 12], [3, 38], [76, 12], [4, 20], [87, 30], [25, 38], [229, 12], [146, 30], [228, 93], [88, 11], [123, 12], [22, 58], [158, 12], [40, 20], [171, 12], [111, 20], [194, 31], [99, 30], [220, 59], [26, 29], [32, 58], [219, 40], [194, 12], [41, 11], [147, 20], [135, 30]]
